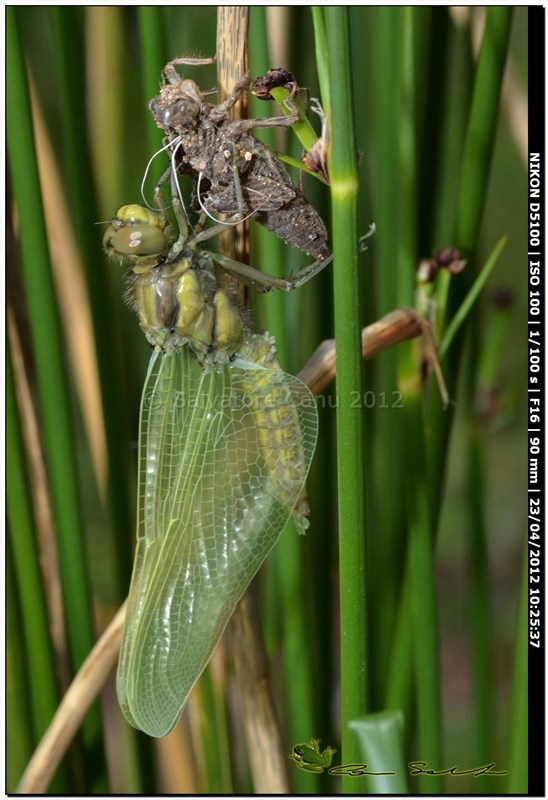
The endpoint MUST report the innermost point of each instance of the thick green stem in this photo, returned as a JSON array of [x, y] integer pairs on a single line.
[[350, 434], [50, 365]]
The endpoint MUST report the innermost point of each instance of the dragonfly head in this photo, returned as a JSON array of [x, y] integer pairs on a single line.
[[177, 107], [137, 233]]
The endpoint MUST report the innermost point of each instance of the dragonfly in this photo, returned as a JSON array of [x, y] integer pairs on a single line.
[[225, 443]]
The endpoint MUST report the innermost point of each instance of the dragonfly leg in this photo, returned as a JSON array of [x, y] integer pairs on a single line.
[[238, 217], [200, 234], [203, 234], [178, 210], [180, 216], [262, 281], [237, 186], [218, 113], [173, 76], [158, 196], [242, 126]]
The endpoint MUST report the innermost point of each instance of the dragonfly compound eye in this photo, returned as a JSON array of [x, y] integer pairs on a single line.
[[134, 214], [139, 240], [178, 113]]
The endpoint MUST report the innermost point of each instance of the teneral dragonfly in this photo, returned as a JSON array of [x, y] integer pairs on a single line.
[[225, 443]]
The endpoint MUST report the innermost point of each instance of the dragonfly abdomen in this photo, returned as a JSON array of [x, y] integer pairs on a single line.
[[301, 227], [280, 438]]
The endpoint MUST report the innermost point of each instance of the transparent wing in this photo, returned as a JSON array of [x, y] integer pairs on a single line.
[[223, 456]]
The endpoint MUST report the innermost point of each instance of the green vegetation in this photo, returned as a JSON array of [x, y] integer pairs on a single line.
[[393, 629]]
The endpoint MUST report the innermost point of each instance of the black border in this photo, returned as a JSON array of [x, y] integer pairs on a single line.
[[537, 655]]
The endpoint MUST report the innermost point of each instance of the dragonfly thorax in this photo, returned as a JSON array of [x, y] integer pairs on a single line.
[[180, 304], [175, 294]]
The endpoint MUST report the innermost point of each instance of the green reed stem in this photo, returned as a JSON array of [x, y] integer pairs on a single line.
[[153, 62], [43, 694], [421, 556], [105, 323], [388, 466], [350, 433], [288, 563], [18, 728], [50, 366], [480, 136]]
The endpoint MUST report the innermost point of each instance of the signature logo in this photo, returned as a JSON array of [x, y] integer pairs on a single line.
[[310, 758]]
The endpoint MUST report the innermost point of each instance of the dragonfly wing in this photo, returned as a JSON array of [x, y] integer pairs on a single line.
[[215, 492]]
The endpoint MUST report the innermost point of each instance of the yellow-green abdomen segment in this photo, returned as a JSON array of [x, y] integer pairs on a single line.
[[223, 456], [281, 440]]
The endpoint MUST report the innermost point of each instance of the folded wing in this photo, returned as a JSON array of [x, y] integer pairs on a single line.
[[215, 492]]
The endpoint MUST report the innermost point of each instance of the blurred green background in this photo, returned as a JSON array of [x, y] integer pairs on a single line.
[[92, 71]]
